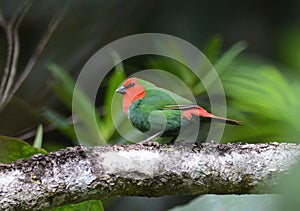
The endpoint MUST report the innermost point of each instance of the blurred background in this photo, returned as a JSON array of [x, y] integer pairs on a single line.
[[254, 46]]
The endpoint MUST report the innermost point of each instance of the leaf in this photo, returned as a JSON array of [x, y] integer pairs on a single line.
[[268, 101], [173, 67], [85, 112], [288, 47], [38, 140], [118, 76], [221, 65], [12, 149], [64, 87], [229, 56], [61, 123], [91, 205], [232, 203], [213, 48], [177, 66]]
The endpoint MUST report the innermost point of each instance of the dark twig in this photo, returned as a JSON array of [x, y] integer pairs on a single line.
[[8, 32], [12, 88], [13, 27], [51, 28]]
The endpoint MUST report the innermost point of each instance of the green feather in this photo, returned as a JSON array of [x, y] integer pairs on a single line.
[[158, 110], [178, 99]]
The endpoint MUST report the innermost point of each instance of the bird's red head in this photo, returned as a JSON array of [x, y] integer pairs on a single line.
[[131, 91]]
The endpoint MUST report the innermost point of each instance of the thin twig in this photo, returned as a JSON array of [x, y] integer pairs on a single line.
[[32, 61], [31, 132], [20, 13], [11, 31], [7, 30], [51, 28], [15, 23]]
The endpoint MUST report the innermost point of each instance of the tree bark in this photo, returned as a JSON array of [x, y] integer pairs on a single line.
[[80, 173]]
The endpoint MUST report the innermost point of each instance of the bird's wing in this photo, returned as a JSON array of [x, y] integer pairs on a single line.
[[188, 110], [180, 107]]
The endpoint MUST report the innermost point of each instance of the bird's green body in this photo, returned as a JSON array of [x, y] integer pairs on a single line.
[[150, 113], [154, 109]]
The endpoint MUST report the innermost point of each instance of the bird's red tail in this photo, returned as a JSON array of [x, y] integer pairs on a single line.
[[201, 112]]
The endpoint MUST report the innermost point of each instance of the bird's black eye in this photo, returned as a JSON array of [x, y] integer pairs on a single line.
[[129, 85]]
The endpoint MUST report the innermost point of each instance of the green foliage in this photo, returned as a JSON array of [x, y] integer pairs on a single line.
[[61, 123], [64, 87], [92, 205], [38, 140], [288, 47], [174, 67], [232, 203], [107, 126], [212, 48], [191, 80], [221, 66], [267, 101], [12, 149]]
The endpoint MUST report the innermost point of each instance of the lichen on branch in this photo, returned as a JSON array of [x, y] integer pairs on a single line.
[[80, 173]]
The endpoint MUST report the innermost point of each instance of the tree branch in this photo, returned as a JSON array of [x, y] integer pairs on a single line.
[[81, 173]]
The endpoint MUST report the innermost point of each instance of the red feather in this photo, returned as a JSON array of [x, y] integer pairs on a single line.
[[136, 92], [201, 112], [197, 112]]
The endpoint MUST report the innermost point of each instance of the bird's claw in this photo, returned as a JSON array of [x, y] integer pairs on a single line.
[[149, 141]]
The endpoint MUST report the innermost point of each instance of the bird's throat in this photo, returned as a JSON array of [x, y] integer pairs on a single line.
[[129, 98]]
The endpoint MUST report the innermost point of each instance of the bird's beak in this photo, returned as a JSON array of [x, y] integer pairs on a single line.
[[121, 90]]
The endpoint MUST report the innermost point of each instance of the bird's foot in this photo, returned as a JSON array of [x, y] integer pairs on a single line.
[[149, 141]]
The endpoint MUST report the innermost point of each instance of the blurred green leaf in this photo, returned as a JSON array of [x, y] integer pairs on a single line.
[[192, 81], [221, 65], [64, 89], [267, 101], [92, 205], [212, 48], [107, 126], [232, 203], [64, 86], [61, 123], [173, 67], [38, 140], [229, 56], [12, 149], [288, 47]]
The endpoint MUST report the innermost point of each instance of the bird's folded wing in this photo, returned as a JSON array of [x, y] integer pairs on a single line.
[[189, 110], [180, 107]]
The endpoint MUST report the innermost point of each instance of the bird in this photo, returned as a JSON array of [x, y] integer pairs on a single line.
[[161, 111]]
